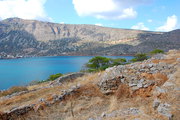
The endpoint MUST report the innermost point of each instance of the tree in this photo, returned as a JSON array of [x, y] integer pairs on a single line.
[[139, 57], [118, 61], [98, 63], [156, 51]]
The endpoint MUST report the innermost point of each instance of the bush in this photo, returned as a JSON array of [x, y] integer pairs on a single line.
[[139, 57], [156, 51], [100, 63], [12, 90], [52, 77], [119, 61]]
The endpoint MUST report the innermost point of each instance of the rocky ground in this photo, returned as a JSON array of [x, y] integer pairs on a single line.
[[147, 90]]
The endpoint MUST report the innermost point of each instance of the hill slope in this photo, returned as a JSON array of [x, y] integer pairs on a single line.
[[147, 90], [30, 37]]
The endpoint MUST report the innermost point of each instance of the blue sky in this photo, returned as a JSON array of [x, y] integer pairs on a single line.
[[154, 15]]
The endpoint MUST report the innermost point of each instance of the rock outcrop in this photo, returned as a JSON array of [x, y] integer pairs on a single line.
[[66, 78], [136, 75]]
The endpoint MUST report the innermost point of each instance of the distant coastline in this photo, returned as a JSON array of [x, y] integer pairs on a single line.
[[19, 57]]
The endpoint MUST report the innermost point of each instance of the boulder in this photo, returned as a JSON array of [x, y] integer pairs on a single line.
[[66, 78]]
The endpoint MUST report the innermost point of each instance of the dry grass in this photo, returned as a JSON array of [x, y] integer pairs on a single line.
[[12, 90], [90, 90], [83, 108], [123, 91], [40, 85], [28, 98], [147, 76], [47, 93], [177, 77], [144, 92], [113, 104], [83, 104], [160, 78]]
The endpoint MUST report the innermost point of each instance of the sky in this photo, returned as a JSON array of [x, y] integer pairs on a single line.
[[152, 15]]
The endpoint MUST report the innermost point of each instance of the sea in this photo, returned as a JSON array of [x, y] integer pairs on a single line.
[[22, 71]]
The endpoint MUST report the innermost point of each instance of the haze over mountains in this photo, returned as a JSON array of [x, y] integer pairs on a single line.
[[36, 38]]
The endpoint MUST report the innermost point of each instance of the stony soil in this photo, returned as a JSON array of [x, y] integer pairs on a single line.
[[147, 90]]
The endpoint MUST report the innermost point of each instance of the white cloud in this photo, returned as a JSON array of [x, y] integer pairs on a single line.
[[99, 24], [170, 24], [140, 26], [127, 13], [62, 22], [149, 21], [107, 9], [26, 9]]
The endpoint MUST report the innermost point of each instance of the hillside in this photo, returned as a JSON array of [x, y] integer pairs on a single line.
[[20, 37], [147, 90]]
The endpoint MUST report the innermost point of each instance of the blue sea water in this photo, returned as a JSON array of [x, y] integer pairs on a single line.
[[16, 72]]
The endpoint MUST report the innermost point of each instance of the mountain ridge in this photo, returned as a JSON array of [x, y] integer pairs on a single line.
[[36, 38]]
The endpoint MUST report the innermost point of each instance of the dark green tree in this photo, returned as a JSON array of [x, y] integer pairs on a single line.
[[118, 61], [98, 63]]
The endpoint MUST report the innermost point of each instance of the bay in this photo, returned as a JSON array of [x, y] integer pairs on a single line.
[[17, 72]]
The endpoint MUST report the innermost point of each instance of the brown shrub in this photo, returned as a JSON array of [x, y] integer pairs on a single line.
[[13, 90], [113, 105], [168, 61], [90, 90], [160, 78], [123, 91], [147, 76], [155, 61], [50, 98], [40, 106], [144, 92]]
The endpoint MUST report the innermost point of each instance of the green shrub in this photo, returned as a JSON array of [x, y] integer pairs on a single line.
[[156, 51], [139, 57], [119, 61], [100, 63], [54, 76]]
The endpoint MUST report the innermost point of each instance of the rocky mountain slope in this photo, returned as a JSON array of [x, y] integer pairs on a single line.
[[147, 90], [35, 38]]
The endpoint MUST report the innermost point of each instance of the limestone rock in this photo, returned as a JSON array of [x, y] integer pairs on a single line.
[[164, 109]]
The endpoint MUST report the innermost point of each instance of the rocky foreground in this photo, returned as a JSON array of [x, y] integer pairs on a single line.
[[147, 90]]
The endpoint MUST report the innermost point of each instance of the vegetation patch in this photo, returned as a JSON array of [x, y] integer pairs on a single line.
[[139, 57], [52, 77], [100, 63], [157, 51]]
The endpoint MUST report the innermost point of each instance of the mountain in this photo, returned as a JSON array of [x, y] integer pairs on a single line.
[[19, 37]]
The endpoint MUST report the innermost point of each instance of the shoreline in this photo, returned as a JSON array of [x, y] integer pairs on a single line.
[[64, 56]]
